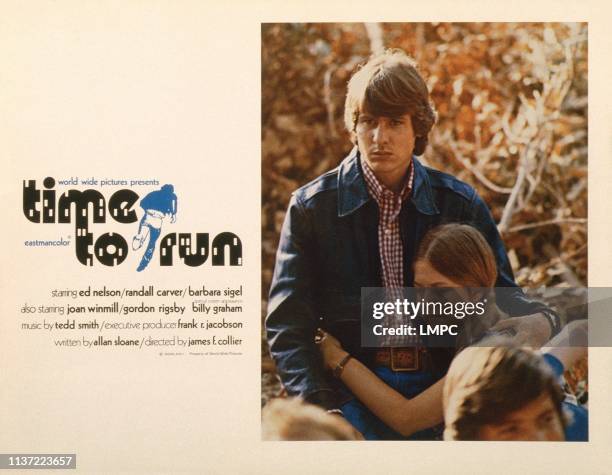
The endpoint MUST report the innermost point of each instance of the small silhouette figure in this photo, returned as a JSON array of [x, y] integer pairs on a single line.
[[157, 205]]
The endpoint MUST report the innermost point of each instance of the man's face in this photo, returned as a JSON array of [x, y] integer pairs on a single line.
[[386, 144], [537, 420]]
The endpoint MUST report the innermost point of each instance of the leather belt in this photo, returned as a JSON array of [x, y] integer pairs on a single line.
[[400, 359]]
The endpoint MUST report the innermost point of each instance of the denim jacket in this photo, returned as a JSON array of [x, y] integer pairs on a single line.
[[328, 251]]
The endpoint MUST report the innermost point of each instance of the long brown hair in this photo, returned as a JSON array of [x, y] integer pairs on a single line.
[[389, 84], [484, 384], [461, 253]]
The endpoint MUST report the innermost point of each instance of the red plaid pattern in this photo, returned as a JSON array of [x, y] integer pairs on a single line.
[[389, 238]]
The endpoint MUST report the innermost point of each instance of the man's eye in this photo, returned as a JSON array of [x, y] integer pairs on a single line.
[[509, 430], [396, 123], [549, 419]]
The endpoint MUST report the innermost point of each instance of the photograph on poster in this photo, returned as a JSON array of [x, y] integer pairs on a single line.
[[429, 155]]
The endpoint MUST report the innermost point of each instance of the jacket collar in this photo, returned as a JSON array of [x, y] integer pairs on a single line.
[[353, 193]]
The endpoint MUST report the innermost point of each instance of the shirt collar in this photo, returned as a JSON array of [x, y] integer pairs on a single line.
[[353, 191], [380, 192]]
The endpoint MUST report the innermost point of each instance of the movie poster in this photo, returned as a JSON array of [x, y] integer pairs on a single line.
[[150, 153]]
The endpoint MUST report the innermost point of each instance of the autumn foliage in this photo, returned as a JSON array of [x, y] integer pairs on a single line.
[[512, 106]]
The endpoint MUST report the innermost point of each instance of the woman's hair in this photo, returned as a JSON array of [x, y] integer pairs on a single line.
[[389, 85], [486, 383], [461, 253], [293, 419]]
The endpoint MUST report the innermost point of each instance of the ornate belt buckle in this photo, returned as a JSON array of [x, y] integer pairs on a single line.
[[404, 359]]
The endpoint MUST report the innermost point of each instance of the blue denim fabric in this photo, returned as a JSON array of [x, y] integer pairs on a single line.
[[577, 429], [328, 251], [409, 385], [148, 254]]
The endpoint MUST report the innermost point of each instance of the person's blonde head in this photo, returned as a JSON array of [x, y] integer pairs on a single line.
[[293, 419]]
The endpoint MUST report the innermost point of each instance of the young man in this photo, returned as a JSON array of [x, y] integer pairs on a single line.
[[509, 393], [360, 224]]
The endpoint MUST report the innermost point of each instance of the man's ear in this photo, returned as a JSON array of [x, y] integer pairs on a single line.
[[353, 137]]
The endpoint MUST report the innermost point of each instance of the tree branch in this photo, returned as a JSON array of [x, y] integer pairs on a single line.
[[375, 35], [549, 222], [477, 173]]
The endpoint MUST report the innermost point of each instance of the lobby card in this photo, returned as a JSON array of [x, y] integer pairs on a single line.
[[149, 155]]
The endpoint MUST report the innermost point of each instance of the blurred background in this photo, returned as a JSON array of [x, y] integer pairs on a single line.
[[512, 105]]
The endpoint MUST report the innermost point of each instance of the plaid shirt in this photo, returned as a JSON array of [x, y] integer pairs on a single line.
[[390, 244]]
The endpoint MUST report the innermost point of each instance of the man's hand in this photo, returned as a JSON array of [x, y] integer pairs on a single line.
[[530, 330]]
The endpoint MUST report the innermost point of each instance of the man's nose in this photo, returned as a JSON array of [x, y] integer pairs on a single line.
[[380, 134]]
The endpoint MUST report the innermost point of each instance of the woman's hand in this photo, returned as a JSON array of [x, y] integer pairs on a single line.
[[331, 349]]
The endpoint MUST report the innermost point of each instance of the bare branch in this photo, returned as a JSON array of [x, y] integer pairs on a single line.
[[329, 103], [565, 256], [375, 35], [516, 190], [477, 173], [548, 222]]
